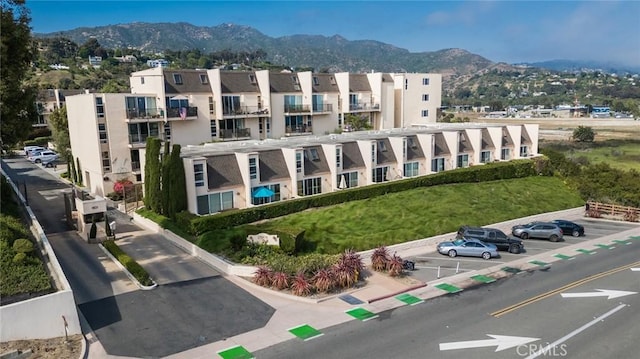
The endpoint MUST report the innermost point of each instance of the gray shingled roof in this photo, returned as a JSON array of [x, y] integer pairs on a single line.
[[351, 157], [359, 83], [223, 171], [238, 82], [487, 143], [315, 167], [385, 156], [441, 147], [524, 137], [414, 153], [190, 82], [272, 165], [463, 144], [284, 82], [506, 138], [325, 83]]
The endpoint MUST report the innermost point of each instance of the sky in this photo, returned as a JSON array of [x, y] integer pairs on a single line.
[[501, 31]]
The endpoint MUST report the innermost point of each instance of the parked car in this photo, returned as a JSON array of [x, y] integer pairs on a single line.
[[493, 236], [30, 150], [545, 230], [569, 228], [468, 247], [43, 156]]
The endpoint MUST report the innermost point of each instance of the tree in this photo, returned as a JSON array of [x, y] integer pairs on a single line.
[[152, 198], [17, 52], [79, 169], [583, 134], [177, 183], [357, 123], [166, 193], [60, 131]]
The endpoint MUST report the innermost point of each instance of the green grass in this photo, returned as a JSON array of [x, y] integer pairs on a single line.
[[425, 212], [620, 154]]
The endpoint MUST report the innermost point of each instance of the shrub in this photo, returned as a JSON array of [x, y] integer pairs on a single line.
[[631, 216], [280, 280], [11, 228], [262, 276], [23, 245], [324, 280], [379, 259], [19, 258], [131, 265], [583, 134], [300, 285], [394, 266]]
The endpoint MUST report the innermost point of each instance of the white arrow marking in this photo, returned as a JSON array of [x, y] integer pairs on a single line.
[[635, 269], [610, 294], [501, 341]]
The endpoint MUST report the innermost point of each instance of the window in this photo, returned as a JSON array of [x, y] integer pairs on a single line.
[[404, 149], [142, 80], [379, 174], [294, 79], [138, 132], [425, 97], [106, 162], [332, 80], [275, 188], [212, 106], [382, 146], [316, 82], [198, 174], [406, 84], [373, 153], [505, 154], [252, 78], [412, 142], [215, 202], [293, 103], [411, 169], [338, 157], [313, 154], [463, 160], [177, 79], [99, 107], [310, 186], [102, 132], [213, 128], [299, 162], [204, 79], [425, 113], [437, 165], [167, 131], [524, 151], [350, 179], [318, 103], [425, 81], [485, 156], [231, 105], [253, 168]]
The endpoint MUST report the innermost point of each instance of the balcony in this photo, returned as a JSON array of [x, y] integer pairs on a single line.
[[294, 109], [182, 113], [322, 108], [245, 111], [144, 115], [139, 140], [234, 135], [299, 130], [364, 107]]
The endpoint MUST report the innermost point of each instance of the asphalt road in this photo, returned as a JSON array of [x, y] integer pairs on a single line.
[[194, 306], [458, 325]]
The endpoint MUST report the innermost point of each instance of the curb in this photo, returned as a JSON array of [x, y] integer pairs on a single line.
[[133, 279], [418, 286]]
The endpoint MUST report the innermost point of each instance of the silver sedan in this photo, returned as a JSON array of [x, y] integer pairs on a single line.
[[468, 247]]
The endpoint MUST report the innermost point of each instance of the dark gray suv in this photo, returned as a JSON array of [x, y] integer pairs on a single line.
[[493, 236]]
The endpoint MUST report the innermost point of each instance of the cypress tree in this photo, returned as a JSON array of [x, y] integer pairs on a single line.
[[177, 183], [79, 170], [152, 175], [166, 185], [73, 175]]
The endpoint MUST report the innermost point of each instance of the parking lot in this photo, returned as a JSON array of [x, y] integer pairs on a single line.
[[432, 265]]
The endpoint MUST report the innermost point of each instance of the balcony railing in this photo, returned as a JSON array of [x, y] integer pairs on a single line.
[[174, 113], [138, 139], [299, 130], [323, 108], [297, 108], [149, 113], [238, 133], [245, 111], [364, 106]]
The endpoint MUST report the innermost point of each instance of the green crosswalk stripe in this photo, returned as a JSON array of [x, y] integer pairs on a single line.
[[409, 299], [448, 287], [238, 352], [361, 314], [562, 256], [511, 270], [622, 241], [483, 278], [635, 237], [604, 246], [539, 263], [305, 332], [586, 251]]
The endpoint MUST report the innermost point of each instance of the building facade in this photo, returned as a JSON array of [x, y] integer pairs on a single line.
[[108, 131]]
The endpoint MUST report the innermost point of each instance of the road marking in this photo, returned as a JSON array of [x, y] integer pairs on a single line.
[[635, 269], [548, 294], [575, 332], [599, 293], [409, 299], [625, 241], [456, 259], [511, 270], [361, 314], [539, 263], [305, 332], [501, 341], [447, 268], [605, 246], [586, 251], [563, 257], [448, 287], [483, 278], [237, 352]]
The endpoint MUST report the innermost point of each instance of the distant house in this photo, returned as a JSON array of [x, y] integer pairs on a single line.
[[158, 63], [600, 112], [59, 67], [95, 61], [126, 59]]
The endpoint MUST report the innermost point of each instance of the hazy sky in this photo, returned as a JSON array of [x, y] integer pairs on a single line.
[[508, 31]]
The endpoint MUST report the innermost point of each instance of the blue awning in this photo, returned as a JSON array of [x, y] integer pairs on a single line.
[[263, 192]]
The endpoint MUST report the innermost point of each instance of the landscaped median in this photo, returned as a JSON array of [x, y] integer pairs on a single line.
[[130, 266]]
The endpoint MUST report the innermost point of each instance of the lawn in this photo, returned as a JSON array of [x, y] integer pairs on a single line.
[[620, 154], [425, 212]]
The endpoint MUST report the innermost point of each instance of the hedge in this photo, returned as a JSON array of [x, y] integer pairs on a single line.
[[131, 265], [488, 172]]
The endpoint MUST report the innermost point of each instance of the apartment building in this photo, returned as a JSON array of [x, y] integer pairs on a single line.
[[108, 131], [223, 176], [50, 100]]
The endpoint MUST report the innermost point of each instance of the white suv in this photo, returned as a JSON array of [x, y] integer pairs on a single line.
[[43, 156]]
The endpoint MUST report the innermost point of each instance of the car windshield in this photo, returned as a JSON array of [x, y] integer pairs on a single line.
[[458, 242]]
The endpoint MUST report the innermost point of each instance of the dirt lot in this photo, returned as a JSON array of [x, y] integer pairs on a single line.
[[55, 348]]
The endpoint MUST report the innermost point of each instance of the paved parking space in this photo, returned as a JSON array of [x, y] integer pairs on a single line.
[[432, 265]]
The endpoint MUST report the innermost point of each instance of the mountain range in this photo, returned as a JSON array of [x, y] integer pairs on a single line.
[[332, 54]]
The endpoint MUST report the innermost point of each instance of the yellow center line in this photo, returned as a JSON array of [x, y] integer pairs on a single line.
[[539, 297]]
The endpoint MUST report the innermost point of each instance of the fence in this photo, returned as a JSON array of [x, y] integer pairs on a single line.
[[597, 209]]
